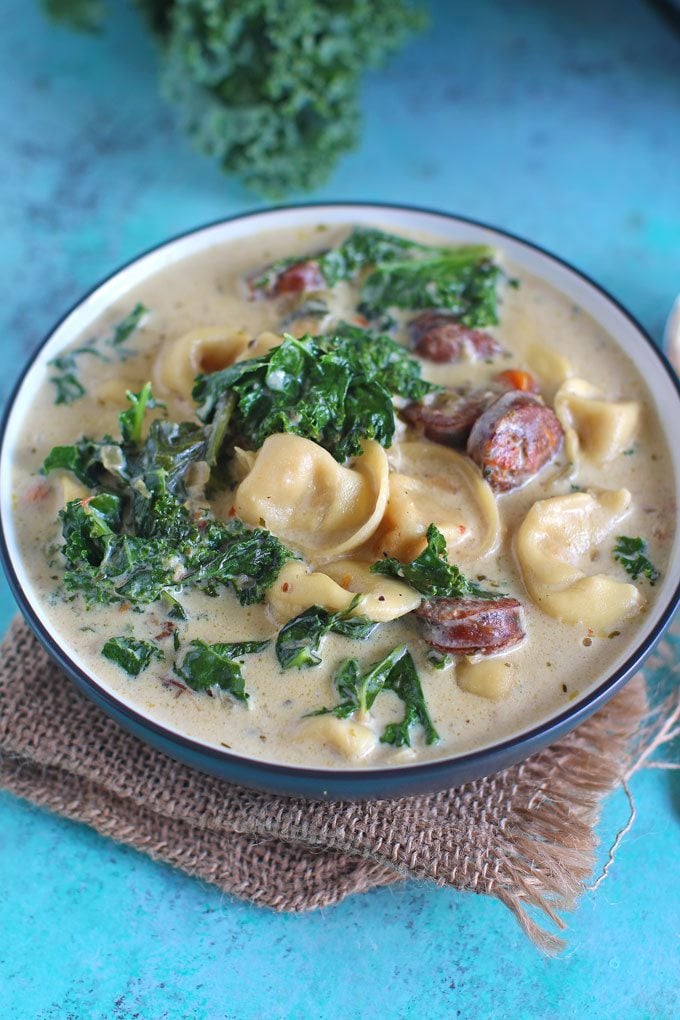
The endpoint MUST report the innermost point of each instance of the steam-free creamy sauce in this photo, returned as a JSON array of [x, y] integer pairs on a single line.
[[555, 663]]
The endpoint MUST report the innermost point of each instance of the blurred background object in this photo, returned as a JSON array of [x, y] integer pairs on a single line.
[[269, 88]]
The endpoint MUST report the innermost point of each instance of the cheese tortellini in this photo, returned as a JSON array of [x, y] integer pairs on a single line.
[[203, 350], [600, 429], [351, 738], [298, 491], [490, 678], [551, 367], [552, 543], [430, 483], [334, 588], [384, 598]]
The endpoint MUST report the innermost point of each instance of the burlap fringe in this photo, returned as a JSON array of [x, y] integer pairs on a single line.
[[551, 866]]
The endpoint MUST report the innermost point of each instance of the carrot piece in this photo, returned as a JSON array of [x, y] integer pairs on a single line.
[[518, 379]]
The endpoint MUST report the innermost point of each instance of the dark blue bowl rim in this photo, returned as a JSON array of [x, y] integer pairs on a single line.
[[472, 761]]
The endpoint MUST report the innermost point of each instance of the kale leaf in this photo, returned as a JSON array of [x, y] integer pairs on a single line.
[[66, 382], [630, 553], [138, 539], [400, 273], [299, 640], [378, 356], [83, 459], [128, 325], [131, 654], [405, 682], [336, 390], [440, 660], [68, 386], [397, 673], [364, 248], [462, 280], [431, 574], [131, 420], [205, 666], [107, 563]]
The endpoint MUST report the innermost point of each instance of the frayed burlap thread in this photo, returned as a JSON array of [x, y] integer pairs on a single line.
[[525, 835]]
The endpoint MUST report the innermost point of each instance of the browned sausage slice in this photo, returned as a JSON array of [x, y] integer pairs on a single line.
[[469, 626], [296, 279], [449, 416], [439, 336], [513, 439], [299, 278]]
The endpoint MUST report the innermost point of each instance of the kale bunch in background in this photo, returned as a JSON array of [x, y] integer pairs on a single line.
[[269, 88]]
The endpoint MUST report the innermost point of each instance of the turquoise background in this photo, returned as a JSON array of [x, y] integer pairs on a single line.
[[560, 121]]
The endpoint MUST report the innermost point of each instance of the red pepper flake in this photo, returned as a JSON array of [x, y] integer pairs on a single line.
[[285, 586], [123, 607], [462, 529], [232, 511], [37, 492], [167, 631]]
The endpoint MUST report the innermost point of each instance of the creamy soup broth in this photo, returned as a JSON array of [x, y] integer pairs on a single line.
[[554, 664]]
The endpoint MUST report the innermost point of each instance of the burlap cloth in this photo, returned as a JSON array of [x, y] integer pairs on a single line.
[[525, 836]]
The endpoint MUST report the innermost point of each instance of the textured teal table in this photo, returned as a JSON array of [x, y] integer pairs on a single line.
[[556, 120]]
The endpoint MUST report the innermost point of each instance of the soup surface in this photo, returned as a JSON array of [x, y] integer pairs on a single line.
[[534, 464]]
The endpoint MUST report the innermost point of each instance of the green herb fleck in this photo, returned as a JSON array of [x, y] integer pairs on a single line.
[[440, 660], [630, 553]]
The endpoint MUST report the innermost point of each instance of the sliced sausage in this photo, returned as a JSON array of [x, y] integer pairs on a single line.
[[299, 278], [296, 279], [439, 336], [448, 418], [470, 626], [513, 439]]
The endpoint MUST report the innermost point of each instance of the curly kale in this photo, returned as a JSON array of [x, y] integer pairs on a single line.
[[397, 273], [269, 88], [137, 538], [336, 390]]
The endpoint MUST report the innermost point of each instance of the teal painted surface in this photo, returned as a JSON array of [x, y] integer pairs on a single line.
[[558, 121]]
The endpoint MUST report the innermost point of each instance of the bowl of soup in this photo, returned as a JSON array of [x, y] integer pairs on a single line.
[[345, 500]]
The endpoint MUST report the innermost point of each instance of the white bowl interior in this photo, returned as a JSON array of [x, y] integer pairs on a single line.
[[450, 229]]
